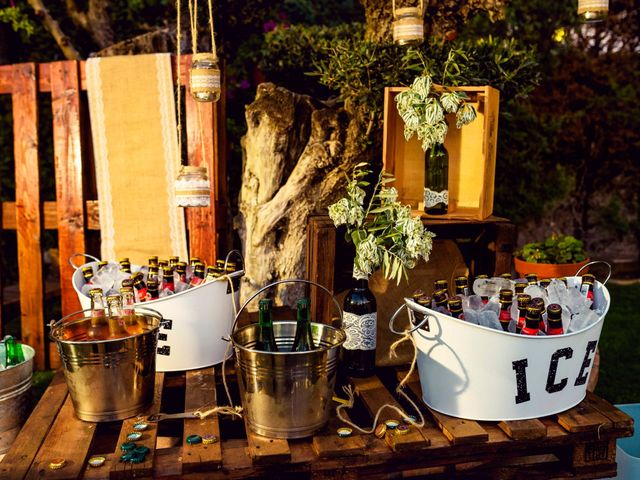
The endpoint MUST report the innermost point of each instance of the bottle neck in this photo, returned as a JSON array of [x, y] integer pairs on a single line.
[[265, 318], [361, 283]]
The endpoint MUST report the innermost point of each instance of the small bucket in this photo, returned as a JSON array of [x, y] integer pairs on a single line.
[[287, 394], [15, 398], [475, 372], [108, 379], [628, 449]]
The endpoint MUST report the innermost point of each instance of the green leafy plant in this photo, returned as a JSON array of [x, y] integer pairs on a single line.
[[555, 249], [383, 232]]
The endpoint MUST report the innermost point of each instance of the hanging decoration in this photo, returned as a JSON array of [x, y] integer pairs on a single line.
[[408, 24], [591, 11], [193, 188], [204, 75]]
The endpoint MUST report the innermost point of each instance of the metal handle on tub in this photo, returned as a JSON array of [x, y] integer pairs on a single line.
[[76, 267], [279, 282], [403, 332], [233, 252], [593, 263]]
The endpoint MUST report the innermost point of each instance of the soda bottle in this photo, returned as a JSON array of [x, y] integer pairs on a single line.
[[153, 261], [554, 320], [440, 299], [455, 307], [181, 270], [167, 279], [153, 291], [266, 341], [506, 276], [87, 274], [303, 341], [125, 265], [441, 284], [586, 287], [538, 303], [506, 299], [520, 286], [99, 328], [523, 303], [532, 278], [173, 261], [532, 322], [116, 321], [193, 261], [198, 275], [13, 351], [128, 311], [462, 285], [360, 316]]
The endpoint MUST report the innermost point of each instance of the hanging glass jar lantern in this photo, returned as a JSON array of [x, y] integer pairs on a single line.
[[591, 11], [204, 77], [192, 187], [408, 25]]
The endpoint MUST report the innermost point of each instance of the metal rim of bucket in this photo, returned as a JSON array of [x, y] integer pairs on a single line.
[[279, 282], [413, 306], [55, 325]]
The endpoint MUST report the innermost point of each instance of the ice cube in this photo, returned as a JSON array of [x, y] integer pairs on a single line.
[[86, 288], [471, 316], [493, 305], [488, 287], [165, 292], [181, 286], [582, 320], [575, 301], [556, 291], [535, 291], [475, 303], [489, 318], [566, 318]]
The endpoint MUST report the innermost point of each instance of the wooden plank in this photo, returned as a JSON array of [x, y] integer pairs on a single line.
[[321, 251], [263, 450], [583, 418], [201, 395], [28, 218], [618, 418], [594, 453], [327, 443], [374, 395], [26, 445], [148, 439], [68, 439], [524, 429], [202, 149], [65, 103]]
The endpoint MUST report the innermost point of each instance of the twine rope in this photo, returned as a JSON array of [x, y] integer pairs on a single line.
[[348, 390]]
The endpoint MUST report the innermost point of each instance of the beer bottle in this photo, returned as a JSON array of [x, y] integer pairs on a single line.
[[416, 295], [173, 261], [266, 341], [425, 301], [152, 274], [115, 318], [441, 284], [506, 299], [360, 323], [141, 289], [484, 299], [128, 312], [153, 291], [167, 279], [563, 280], [554, 320], [303, 341], [532, 321], [163, 263], [231, 267], [99, 328], [523, 303], [181, 270], [153, 261], [506, 276], [101, 265], [532, 278], [193, 261], [544, 282], [127, 282], [520, 286], [125, 265], [440, 299], [198, 275], [462, 285], [212, 273], [13, 351], [538, 303], [87, 274], [586, 288], [220, 264], [455, 307]]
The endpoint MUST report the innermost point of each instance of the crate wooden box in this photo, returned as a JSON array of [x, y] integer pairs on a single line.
[[472, 156]]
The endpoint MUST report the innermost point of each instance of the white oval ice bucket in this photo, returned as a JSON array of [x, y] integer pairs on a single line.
[[474, 372], [199, 318]]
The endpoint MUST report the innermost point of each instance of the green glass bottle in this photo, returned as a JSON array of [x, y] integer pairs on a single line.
[[304, 338], [13, 350], [436, 180], [266, 340]]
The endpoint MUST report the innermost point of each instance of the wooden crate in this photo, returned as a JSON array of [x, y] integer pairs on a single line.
[[472, 156], [578, 444]]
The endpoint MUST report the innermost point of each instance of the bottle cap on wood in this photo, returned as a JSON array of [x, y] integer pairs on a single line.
[[194, 439], [96, 461], [57, 463]]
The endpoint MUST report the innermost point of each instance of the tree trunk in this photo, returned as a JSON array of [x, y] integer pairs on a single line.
[[295, 156]]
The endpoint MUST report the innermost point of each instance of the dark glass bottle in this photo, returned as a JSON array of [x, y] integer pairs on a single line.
[[554, 320], [153, 290], [266, 340], [441, 284], [506, 298], [544, 282], [303, 341], [455, 307], [532, 278], [538, 303], [506, 276], [436, 180], [87, 273], [440, 299], [586, 287], [523, 303], [360, 323], [520, 286], [462, 285], [484, 298], [532, 322]]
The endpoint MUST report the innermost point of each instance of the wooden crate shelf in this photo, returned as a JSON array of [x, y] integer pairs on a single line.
[[579, 443]]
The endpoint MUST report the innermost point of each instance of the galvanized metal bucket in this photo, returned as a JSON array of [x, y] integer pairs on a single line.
[[15, 398], [287, 394], [108, 379]]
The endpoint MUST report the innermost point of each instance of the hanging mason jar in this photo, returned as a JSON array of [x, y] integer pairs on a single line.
[[204, 77], [436, 180], [408, 25], [192, 187], [593, 10]]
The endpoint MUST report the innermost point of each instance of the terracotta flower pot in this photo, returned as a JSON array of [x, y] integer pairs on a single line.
[[548, 270]]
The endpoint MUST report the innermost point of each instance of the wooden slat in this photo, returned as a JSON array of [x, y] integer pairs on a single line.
[[618, 418], [524, 429], [263, 450], [374, 395], [202, 150], [28, 218], [201, 395], [69, 439], [583, 418], [65, 103], [148, 439], [327, 443], [321, 251], [26, 445]]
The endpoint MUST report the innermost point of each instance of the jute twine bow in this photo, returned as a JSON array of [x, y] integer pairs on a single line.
[[348, 390]]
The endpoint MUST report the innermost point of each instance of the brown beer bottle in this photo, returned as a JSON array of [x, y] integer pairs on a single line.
[[193, 261], [506, 276], [520, 286], [87, 274], [116, 320], [441, 284], [554, 320], [532, 278], [586, 288], [153, 261], [173, 261], [455, 307], [484, 298], [198, 275], [125, 265], [181, 270], [440, 299], [141, 289], [462, 285], [532, 322], [153, 292], [167, 279], [506, 299], [538, 303], [523, 303], [544, 282], [99, 328]]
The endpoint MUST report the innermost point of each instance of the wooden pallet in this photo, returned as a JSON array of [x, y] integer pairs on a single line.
[[579, 443]]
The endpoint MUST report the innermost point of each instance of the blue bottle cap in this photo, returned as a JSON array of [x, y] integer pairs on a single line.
[[194, 439], [127, 446], [133, 436]]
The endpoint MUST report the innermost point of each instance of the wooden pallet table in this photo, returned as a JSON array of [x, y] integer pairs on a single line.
[[577, 444]]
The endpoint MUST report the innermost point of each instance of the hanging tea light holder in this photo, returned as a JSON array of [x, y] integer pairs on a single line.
[[204, 77], [408, 24], [193, 188], [591, 11]]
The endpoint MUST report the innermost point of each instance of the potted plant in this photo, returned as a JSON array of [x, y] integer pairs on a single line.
[[557, 256]]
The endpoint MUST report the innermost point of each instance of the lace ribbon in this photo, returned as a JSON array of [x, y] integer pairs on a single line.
[[432, 198]]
